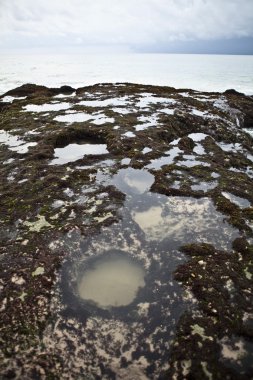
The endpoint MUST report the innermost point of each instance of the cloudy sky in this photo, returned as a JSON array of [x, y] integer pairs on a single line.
[[216, 26]]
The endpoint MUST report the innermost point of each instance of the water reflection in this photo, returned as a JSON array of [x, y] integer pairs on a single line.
[[133, 181], [74, 152], [182, 220]]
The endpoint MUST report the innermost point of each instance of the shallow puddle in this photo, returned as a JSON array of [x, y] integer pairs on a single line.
[[196, 112], [165, 160], [133, 181], [125, 161], [105, 282], [10, 99], [146, 150], [15, 143], [190, 161], [249, 131], [129, 134], [122, 101], [196, 137], [148, 100], [148, 121], [230, 147], [74, 152], [47, 107], [73, 117], [121, 110], [241, 202], [101, 119], [199, 149], [182, 220], [9, 139], [111, 281], [168, 111], [204, 186]]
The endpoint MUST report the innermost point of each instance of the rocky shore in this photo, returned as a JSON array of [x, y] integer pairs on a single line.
[[160, 176]]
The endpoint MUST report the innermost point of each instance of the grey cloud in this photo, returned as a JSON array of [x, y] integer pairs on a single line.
[[125, 22]]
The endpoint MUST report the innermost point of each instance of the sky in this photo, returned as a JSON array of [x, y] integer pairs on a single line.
[[159, 26]]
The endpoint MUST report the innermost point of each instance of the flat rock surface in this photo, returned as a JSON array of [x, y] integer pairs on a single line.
[[160, 177]]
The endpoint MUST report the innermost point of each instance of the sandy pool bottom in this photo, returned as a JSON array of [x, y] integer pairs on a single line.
[[111, 282]]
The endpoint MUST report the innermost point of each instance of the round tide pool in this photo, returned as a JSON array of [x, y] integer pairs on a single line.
[[111, 281]]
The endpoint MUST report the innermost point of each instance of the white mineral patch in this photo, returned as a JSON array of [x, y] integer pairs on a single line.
[[73, 152], [232, 352], [186, 365], [198, 330], [229, 285], [18, 280], [47, 107], [111, 282], [38, 225], [143, 308], [205, 370], [3, 306], [248, 274], [101, 219], [22, 296], [38, 271]]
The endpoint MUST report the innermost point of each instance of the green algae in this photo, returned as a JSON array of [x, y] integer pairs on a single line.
[[40, 224]]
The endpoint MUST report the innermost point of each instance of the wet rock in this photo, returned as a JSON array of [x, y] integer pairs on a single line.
[[171, 190]]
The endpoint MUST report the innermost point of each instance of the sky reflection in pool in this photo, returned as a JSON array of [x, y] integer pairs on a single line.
[[74, 152]]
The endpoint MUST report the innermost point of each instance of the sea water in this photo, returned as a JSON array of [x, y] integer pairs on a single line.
[[196, 71]]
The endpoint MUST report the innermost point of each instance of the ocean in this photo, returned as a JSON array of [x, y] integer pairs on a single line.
[[199, 72]]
